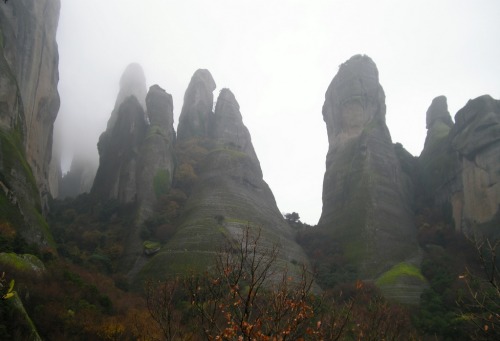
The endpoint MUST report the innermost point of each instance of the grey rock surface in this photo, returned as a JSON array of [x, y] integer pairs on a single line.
[[365, 205], [119, 154], [476, 138], [197, 108], [29, 103], [29, 51], [229, 193], [157, 161]]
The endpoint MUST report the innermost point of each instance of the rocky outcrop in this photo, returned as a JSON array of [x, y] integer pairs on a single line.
[[476, 138], [28, 107], [227, 192], [460, 163], [136, 144], [132, 83], [29, 50], [194, 120], [116, 177], [438, 161], [156, 162], [365, 200]]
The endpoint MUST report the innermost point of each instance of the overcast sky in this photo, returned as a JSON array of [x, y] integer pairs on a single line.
[[278, 58]]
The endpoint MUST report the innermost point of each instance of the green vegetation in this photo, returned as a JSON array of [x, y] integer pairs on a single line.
[[25, 262], [397, 271], [161, 182]]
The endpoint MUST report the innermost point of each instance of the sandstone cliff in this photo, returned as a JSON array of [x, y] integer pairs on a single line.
[[136, 156], [221, 175], [476, 138], [30, 52], [460, 163], [28, 107], [365, 200]]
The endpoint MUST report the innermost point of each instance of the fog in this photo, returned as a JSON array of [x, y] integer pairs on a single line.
[[278, 58]]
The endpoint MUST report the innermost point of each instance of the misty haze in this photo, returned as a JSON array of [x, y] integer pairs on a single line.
[[249, 171]]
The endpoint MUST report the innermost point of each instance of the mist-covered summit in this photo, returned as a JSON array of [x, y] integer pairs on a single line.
[[205, 184]]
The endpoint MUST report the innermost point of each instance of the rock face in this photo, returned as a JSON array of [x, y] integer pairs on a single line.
[[476, 138], [29, 47], [137, 146], [137, 159], [156, 163], [119, 153], [365, 207], [228, 192], [28, 107], [195, 116], [438, 161], [460, 163]]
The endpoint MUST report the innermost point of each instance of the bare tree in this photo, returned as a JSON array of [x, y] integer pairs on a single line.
[[481, 307], [160, 299]]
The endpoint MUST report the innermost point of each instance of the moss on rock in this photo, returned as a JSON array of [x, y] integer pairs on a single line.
[[25, 262]]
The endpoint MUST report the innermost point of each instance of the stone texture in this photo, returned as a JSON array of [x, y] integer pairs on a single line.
[[229, 193], [197, 107], [365, 206], [438, 161], [119, 153], [156, 163], [476, 138], [29, 103], [30, 50]]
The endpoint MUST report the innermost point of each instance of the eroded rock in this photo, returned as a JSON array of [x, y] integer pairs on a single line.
[[365, 204]]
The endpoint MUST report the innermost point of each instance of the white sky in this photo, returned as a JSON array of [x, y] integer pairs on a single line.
[[278, 58]]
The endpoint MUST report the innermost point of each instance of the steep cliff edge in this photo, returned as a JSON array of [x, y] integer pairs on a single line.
[[476, 138], [30, 51], [460, 163], [365, 200], [220, 174], [28, 107]]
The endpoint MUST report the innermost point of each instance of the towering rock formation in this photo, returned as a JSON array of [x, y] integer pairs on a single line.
[[197, 109], [460, 163], [227, 191], [136, 164], [119, 153], [137, 146], [29, 46], [365, 207], [438, 161], [132, 83], [156, 162], [28, 107], [476, 138]]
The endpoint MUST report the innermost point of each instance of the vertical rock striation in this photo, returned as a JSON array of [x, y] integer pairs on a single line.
[[29, 47], [196, 111], [156, 163], [460, 163], [476, 138], [119, 153], [29, 102], [364, 203]]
